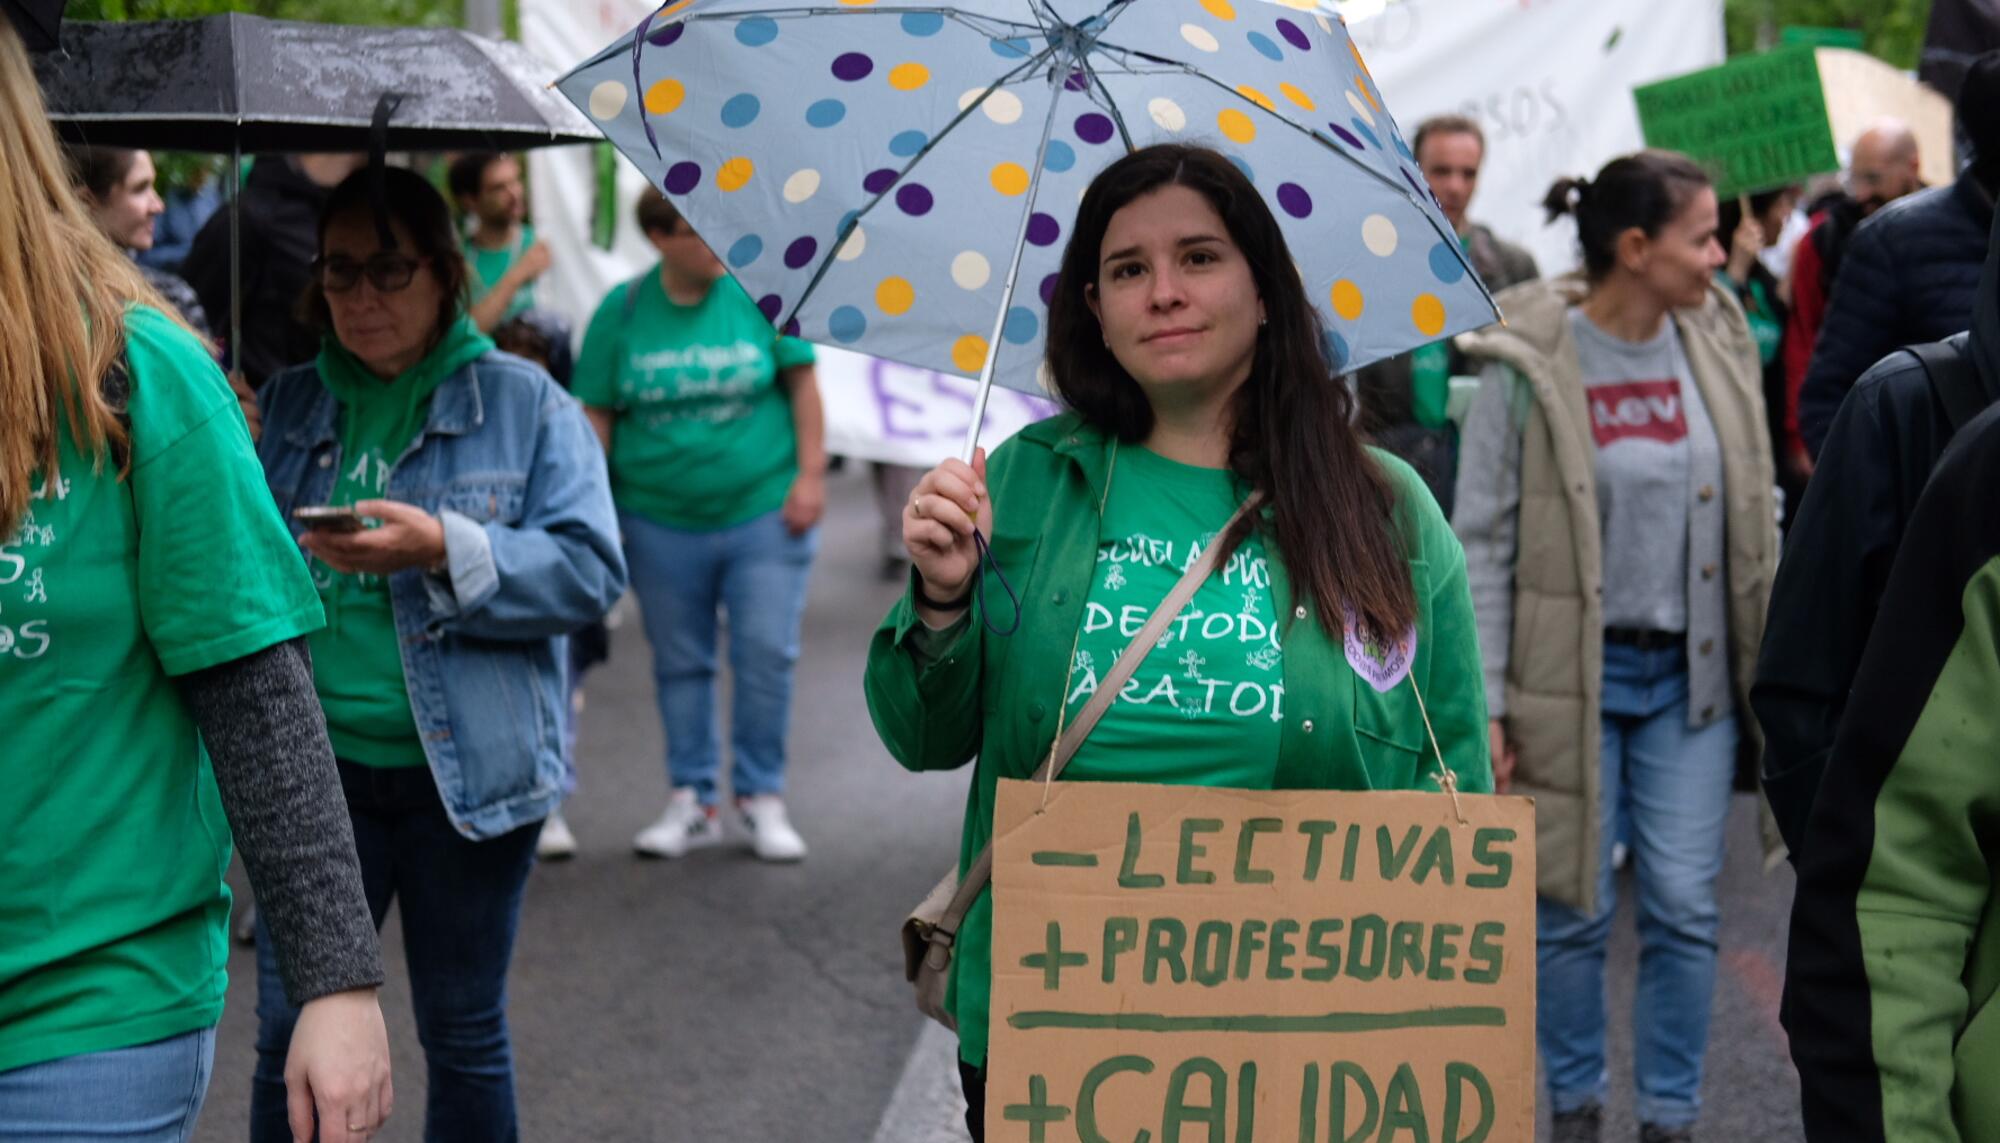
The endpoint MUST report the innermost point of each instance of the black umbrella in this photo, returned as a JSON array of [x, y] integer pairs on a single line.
[[36, 20], [236, 82], [240, 84]]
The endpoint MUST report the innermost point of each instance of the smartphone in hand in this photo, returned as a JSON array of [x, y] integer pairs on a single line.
[[325, 518]]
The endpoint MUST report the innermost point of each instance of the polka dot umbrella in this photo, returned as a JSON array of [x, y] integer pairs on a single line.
[[898, 179]]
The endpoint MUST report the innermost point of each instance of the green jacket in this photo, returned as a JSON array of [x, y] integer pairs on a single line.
[[997, 699]]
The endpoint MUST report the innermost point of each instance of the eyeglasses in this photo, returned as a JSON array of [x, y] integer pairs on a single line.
[[385, 270]]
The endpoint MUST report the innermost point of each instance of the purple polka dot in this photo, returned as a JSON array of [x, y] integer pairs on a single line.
[[1043, 230], [1415, 185], [1294, 36], [879, 181], [681, 178], [799, 253], [1344, 135], [1093, 128], [1294, 199], [852, 66], [1077, 81], [1049, 289], [772, 305], [914, 199], [663, 37], [792, 328]]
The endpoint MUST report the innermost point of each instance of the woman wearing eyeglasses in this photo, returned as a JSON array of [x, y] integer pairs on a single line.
[[440, 667]]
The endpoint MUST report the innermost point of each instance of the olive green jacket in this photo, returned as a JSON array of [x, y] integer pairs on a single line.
[[997, 698]]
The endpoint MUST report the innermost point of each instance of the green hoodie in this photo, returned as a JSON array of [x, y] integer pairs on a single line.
[[357, 657]]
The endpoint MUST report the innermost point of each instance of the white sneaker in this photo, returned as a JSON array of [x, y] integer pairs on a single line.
[[772, 837], [556, 843], [686, 825]]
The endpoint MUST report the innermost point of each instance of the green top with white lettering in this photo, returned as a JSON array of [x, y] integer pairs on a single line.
[[113, 910], [704, 438], [1206, 707]]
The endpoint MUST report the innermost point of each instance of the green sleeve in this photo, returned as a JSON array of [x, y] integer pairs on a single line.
[[1454, 689], [791, 352], [1929, 879], [595, 381], [923, 688], [219, 574]]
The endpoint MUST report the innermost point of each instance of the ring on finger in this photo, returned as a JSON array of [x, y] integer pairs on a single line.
[[917, 504]]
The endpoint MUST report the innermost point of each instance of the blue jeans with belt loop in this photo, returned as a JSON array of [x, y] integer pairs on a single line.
[[1673, 783], [148, 1093]]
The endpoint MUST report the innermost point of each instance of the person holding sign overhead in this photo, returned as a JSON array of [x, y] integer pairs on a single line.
[[1615, 499], [1206, 453]]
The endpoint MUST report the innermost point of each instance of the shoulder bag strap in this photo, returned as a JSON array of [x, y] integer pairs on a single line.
[[981, 870], [1953, 380]]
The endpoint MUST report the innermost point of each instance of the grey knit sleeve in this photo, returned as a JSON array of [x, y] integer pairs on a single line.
[[1486, 516], [266, 737]]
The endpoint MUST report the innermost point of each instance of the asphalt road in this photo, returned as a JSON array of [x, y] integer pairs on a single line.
[[720, 999]]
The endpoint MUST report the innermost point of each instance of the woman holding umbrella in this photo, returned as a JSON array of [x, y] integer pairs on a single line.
[[156, 697], [1203, 414], [440, 667]]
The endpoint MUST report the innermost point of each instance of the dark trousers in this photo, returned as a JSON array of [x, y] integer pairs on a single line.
[[973, 1080], [461, 905]]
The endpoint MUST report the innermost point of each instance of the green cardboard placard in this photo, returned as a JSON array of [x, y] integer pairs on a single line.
[[1757, 122]]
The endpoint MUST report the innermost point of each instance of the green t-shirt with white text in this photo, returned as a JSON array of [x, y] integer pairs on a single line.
[[489, 266], [703, 437], [1206, 706], [113, 910]]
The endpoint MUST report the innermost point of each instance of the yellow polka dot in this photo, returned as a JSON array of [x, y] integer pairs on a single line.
[[1367, 94], [969, 353], [1358, 61], [1347, 300], [909, 76], [679, 6], [1296, 96], [1010, 179], [1237, 126], [895, 296], [857, 3], [735, 174], [1220, 9], [664, 97], [1257, 97], [1428, 312]]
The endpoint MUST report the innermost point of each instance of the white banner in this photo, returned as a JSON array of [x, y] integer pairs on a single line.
[[879, 410], [1550, 81]]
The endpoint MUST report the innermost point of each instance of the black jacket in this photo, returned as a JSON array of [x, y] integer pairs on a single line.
[[1909, 275], [1878, 457], [280, 239]]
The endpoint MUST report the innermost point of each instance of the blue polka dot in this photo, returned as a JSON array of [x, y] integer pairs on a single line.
[[847, 221], [1244, 167], [741, 110], [1446, 264], [756, 31], [923, 23], [1022, 326], [1362, 130], [1336, 350], [1014, 49], [747, 249], [1265, 47], [908, 143], [1061, 156], [826, 113], [847, 324], [1404, 148]]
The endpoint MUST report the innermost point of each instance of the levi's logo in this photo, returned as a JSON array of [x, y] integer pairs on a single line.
[[1649, 410]]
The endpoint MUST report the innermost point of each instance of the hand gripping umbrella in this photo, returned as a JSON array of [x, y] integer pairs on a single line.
[[883, 176]]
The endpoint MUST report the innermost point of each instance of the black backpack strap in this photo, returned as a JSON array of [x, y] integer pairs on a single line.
[[1954, 380]]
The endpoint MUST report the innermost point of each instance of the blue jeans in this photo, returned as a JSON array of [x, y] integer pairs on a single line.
[[150, 1093], [756, 572], [461, 905], [1673, 785]]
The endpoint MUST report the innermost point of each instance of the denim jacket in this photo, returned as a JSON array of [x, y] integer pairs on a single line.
[[509, 464]]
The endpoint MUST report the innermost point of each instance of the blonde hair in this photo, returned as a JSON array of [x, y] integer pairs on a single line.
[[64, 288]]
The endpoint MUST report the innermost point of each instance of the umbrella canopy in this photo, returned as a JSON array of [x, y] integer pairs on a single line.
[[36, 21], [235, 82], [875, 174]]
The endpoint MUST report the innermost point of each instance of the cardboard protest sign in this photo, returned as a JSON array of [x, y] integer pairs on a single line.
[[1176, 963], [1756, 122]]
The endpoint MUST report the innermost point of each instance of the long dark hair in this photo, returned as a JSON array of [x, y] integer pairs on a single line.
[[1291, 424], [1646, 190], [413, 202]]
